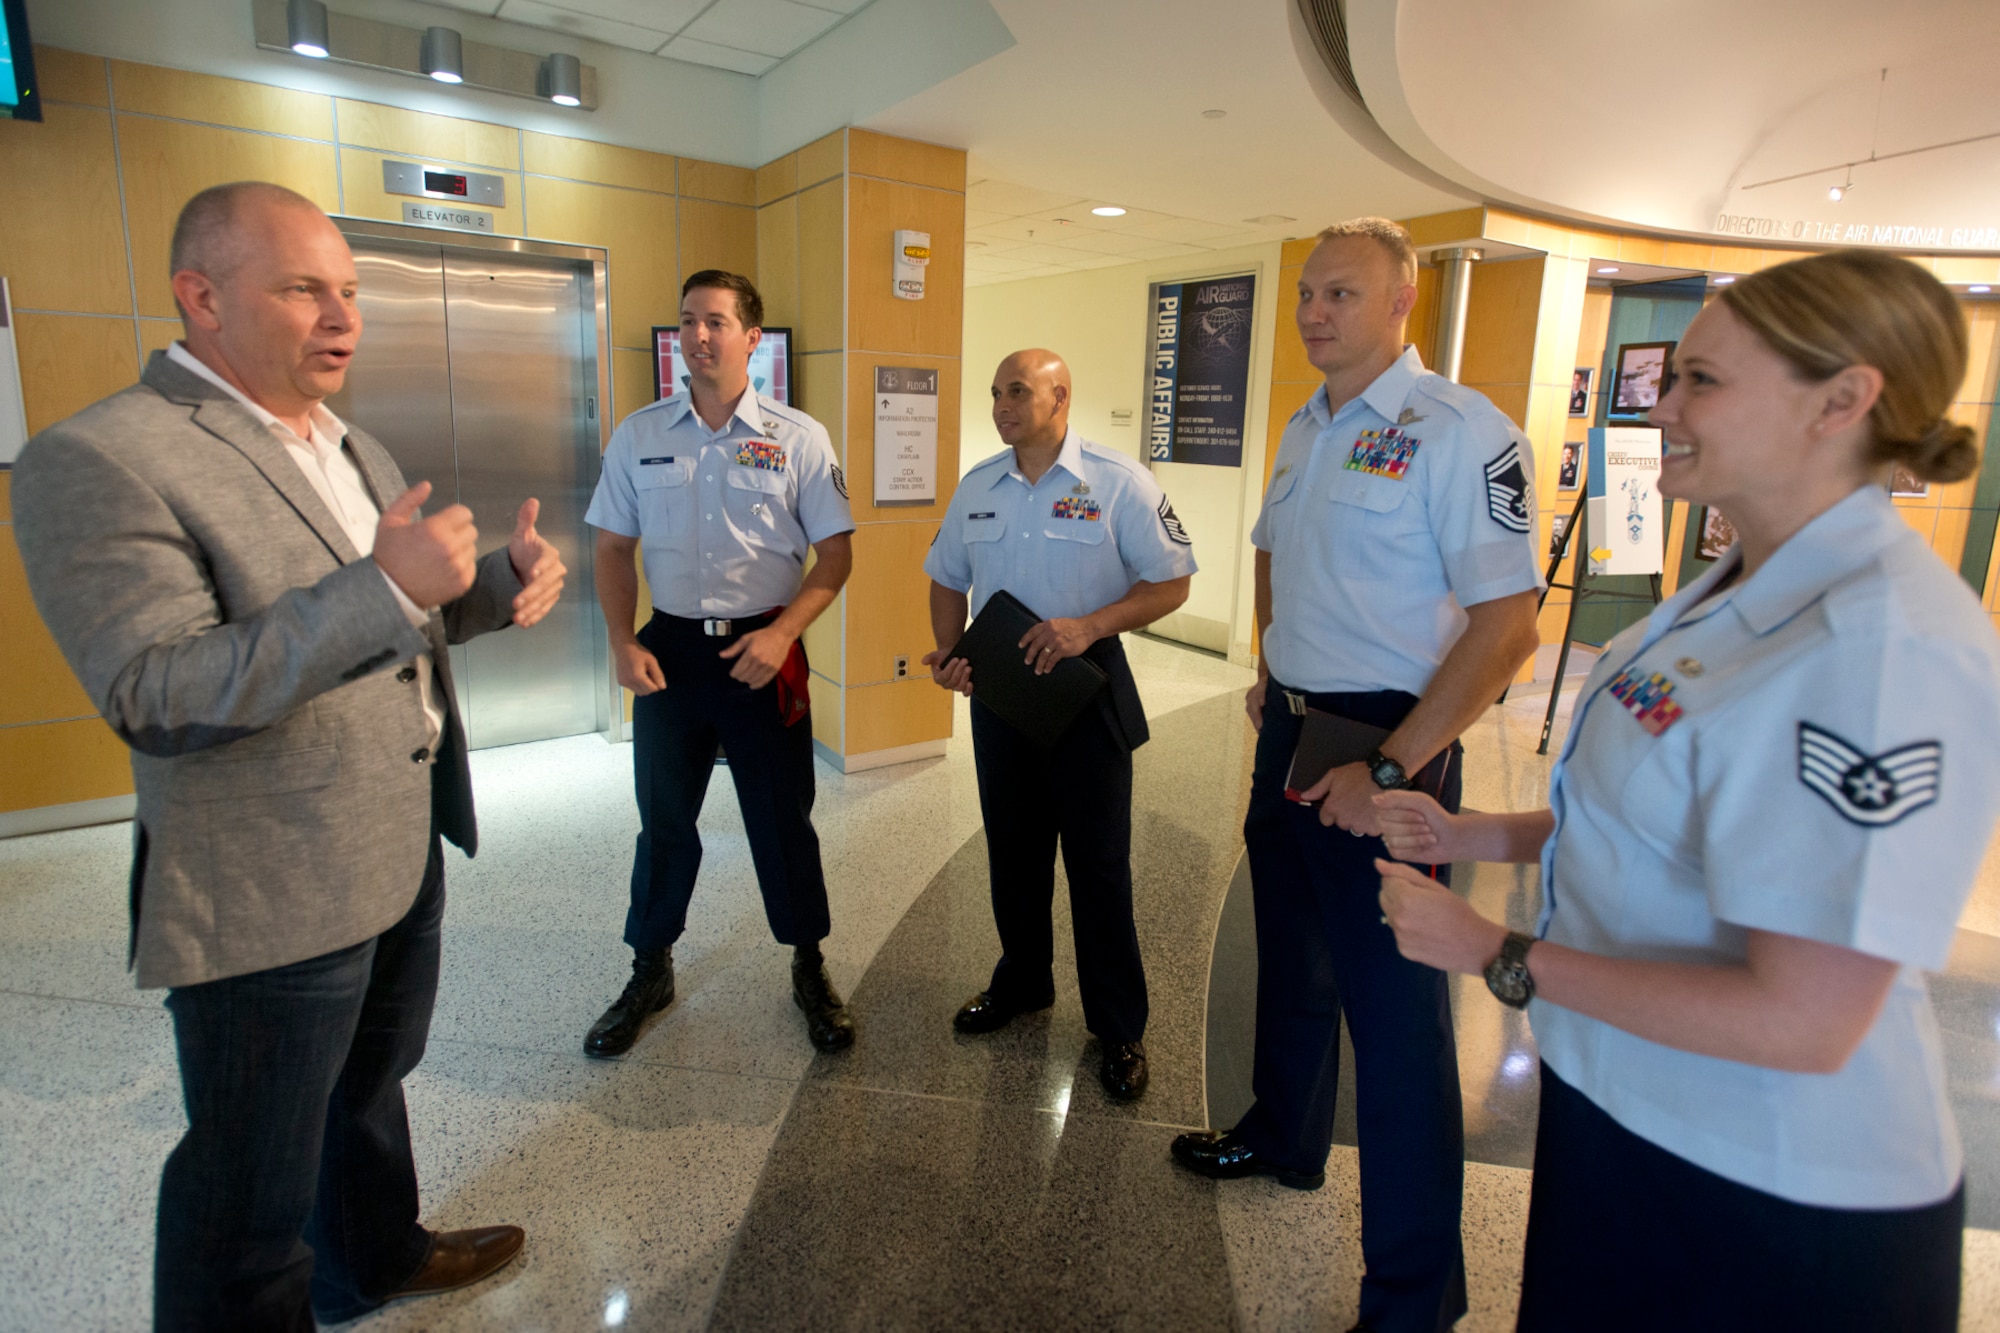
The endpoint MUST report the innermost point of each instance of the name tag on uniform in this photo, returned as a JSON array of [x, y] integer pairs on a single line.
[[649, 462], [1651, 700], [767, 455], [1086, 510], [974, 518], [1383, 453]]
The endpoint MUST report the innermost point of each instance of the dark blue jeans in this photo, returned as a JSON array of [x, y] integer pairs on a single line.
[[293, 1190], [1323, 950]]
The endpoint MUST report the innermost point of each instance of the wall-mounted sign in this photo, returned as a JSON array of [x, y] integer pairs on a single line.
[[913, 256], [13, 410], [1627, 522], [1198, 370], [427, 182], [452, 219], [906, 435]]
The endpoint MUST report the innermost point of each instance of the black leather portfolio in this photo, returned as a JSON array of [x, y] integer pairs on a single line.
[[1039, 707], [1328, 740]]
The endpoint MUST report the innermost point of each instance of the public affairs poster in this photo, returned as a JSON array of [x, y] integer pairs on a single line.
[[1199, 373], [1627, 523]]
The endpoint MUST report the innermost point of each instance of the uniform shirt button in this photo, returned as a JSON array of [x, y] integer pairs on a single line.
[[407, 674], [421, 753], [709, 477], [708, 516]]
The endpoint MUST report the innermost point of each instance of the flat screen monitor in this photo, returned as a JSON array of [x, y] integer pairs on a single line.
[[770, 365], [20, 99]]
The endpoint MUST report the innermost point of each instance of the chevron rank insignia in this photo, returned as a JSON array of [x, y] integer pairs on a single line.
[[840, 481], [1507, 490], [1171, 522], [1872, 790]]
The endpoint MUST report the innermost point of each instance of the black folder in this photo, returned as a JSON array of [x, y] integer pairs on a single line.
[[1328, 740], [1039, 707]]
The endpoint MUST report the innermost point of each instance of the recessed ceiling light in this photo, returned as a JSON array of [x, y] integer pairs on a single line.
[[1979, 287], [1837, 192], [1109, 211], [1216, 114], [1609, 268], [1724, 281]]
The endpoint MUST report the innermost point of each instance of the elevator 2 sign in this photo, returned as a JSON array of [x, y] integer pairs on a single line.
[[1198, 375]]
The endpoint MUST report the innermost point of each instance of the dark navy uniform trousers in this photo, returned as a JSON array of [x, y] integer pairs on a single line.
[[1077, 794], [1322, 949], [674, 735]]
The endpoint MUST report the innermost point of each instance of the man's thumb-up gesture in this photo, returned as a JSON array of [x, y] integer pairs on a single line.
[[430, 559], [537, 564]]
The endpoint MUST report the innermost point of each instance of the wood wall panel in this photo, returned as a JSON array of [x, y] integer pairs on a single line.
[[631, 382], [821, 384], [886, 717], [861, 435], [906, 160], [362, 195], [877, 320], [822, 268], [154, 90], [1288, 350], [156, 335], [6, 496], [636, 229], [777, 179], [70, 76], [1500, 322], [57, 763], [720, 236], [67, 255], [166, 163], [69, 362], [828, 709], [40, 685], [599, 163], [778, 262], [821, 160], [717, 181], [418, 134], [825, 639], [889, 611]]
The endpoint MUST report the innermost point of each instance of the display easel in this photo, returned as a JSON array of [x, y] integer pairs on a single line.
[[1580, 589]]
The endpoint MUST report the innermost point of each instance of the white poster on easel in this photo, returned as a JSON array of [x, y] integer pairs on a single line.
[[906, 435], [1627, 519], [13, 409]]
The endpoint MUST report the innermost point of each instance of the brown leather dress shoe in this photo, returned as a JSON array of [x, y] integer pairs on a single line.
[[461, 1258]]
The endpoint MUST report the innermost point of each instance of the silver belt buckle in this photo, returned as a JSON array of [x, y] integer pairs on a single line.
[[716, 629], [1295, 702]]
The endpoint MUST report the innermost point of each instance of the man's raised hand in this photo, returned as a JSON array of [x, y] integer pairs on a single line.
[[431, 559]]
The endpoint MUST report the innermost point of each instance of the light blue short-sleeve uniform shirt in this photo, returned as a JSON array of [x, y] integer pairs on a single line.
[[1813, 751], [1384, 521], [1074, 541], [724, 518]]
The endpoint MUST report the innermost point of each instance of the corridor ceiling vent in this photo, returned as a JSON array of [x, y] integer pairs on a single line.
[[1328, 27]]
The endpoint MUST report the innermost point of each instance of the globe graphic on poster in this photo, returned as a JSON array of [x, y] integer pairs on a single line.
[[1220, 332]]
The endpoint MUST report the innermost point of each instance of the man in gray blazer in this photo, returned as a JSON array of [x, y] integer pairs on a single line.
[[255, 603]]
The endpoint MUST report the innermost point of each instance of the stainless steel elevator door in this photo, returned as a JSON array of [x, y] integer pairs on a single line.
[[477, 372]]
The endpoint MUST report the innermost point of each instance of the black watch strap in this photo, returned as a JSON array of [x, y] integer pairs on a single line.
[[1387, 773]]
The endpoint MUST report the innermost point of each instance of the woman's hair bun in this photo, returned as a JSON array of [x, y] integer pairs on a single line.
[[1948, 451]]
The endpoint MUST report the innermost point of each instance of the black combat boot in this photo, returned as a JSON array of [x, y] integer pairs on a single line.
[[650, 990], [827, 1022]]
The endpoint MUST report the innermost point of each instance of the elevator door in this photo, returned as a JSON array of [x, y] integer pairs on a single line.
[[477, 371]]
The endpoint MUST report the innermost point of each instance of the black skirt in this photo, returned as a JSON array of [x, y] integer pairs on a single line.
[[1624, 1235]]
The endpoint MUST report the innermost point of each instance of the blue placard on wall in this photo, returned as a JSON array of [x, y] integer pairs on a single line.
[[1198, 373]]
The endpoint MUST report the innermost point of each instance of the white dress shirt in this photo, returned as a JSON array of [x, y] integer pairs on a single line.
[[337, 481]]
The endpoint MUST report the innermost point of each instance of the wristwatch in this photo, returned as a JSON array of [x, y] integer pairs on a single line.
[[1388, 774], [1507, 976]]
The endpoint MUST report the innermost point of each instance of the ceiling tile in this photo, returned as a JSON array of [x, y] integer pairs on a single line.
[[839, 6], [486, 7], [1005, 197], [720, 57], [1054, 254], [982, 217], [659, 15], [611, 33], [770, 27], [1186, 231]]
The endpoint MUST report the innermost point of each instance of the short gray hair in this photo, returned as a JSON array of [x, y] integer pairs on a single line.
[[1391, 236], [203, 232]]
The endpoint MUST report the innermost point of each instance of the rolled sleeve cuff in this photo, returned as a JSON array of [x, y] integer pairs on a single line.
[[1494, 589]]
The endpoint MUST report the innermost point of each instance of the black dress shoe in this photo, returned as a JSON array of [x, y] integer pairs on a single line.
[[1220, 1155], [1123, 1070], [827, 1023], [650, 990], [987, 1012]]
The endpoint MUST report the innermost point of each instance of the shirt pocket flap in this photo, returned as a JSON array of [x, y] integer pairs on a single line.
[[988, 529], [754, 479], [1082, 532], [1378, 495], [655, 471], [1281, 486]]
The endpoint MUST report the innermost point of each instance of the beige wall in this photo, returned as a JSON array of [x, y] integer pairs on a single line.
[[124, 145]]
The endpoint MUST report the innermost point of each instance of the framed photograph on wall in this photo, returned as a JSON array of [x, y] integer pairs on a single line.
[[1902, 481], [1715, 535], [1642, 378], [771, 368], [1558, 530], [1570, 469], [1579, 392]]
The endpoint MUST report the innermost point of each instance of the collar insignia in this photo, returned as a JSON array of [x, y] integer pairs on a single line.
[[1410, 417]]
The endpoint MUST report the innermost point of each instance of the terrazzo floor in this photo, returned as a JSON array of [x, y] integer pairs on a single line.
[[725, 1176]]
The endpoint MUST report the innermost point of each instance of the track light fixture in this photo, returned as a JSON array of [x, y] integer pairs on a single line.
[[305, 28], [442, 57], [564, 74]]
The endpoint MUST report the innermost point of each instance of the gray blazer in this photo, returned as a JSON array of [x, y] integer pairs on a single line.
[[230, 633]]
